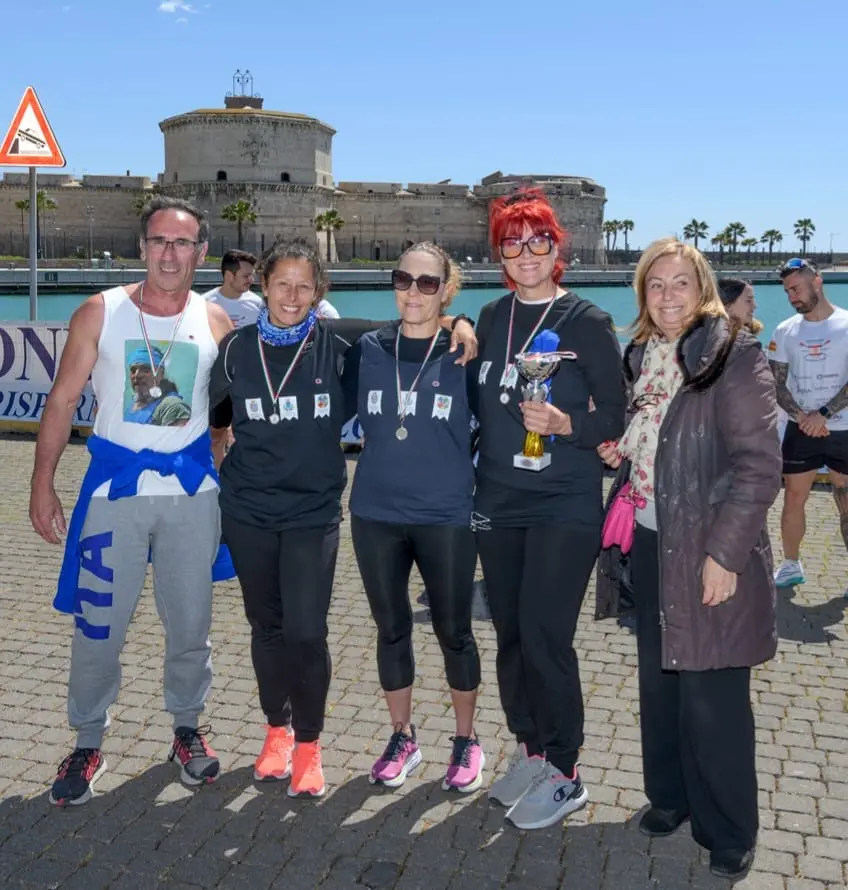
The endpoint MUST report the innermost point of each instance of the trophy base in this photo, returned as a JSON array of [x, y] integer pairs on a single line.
[[519, 461]]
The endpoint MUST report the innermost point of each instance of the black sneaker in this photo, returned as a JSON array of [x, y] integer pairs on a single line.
[[76, 777], [657, 822], [199, 762], [731, 864]]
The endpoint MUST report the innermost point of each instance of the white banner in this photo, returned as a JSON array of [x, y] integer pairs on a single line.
[[29, 358]]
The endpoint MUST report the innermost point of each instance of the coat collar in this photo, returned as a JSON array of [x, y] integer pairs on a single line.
[[702, 351]]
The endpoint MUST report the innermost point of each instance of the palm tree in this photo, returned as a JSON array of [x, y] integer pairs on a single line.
[[23, 206], [735, 231], [749, 243], [610, 230], [695, 230], [804, 229], [329, 222], [721, 240], [626, 225], [771, 237], [239, 212]]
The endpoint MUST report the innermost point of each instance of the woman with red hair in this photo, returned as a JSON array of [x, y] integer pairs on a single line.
[[539, 531]]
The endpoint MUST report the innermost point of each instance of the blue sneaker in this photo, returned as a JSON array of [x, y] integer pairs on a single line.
[[790, 573]]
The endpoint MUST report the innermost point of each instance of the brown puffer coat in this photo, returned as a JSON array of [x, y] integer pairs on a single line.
[[717, 472]]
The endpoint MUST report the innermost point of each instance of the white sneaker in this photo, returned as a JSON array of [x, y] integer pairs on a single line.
[[790, 573], [520, 775], [551, 797]]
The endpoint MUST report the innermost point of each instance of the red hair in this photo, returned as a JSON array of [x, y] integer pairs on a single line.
[[509, 215]]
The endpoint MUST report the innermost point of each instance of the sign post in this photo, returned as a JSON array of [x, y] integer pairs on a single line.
[[29, 142]]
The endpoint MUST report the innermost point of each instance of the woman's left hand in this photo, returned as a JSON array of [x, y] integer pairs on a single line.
[[719, 584], [464, 334], [545, 419]]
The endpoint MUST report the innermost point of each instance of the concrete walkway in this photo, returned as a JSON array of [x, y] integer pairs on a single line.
[[145, 830]]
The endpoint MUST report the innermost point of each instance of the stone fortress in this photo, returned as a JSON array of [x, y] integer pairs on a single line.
[[282, 163]]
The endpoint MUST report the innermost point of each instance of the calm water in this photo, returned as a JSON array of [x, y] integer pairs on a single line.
[[618, 301]]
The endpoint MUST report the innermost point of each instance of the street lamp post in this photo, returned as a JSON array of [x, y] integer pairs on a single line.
[[832, 236], [89, 212]]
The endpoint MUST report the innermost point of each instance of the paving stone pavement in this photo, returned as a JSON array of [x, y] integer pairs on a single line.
[[145, 830]]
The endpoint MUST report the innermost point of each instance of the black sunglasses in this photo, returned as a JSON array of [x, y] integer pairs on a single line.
[[646, 400], [426, 284]]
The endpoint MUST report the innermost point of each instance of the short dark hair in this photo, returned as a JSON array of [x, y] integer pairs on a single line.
[[232, 259], [730, 289], [797, 264], [163, 202], [295, 249]]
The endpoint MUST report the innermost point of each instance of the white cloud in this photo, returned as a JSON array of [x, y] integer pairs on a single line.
[[182, 21], [175, 6]]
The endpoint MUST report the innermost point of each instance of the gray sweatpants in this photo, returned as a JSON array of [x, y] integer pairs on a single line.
[[182, 534]]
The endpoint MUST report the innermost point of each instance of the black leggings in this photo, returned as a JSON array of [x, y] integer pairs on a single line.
[[286, 580], [536, 579], [698, 749], [446, 557]]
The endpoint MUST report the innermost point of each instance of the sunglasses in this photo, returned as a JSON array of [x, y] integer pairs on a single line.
[[646, 400], [540, 245], [426, 284]]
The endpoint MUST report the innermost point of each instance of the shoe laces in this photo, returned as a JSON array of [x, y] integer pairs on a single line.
[[193, 741], [77, 763], [462, 747], [314, 755], [278, 739], [396, 744]]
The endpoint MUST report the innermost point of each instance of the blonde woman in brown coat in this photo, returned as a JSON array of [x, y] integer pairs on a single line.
[[702, 456]]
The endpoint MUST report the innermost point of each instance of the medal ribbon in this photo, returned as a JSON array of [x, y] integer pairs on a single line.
[[147, 338], [402, 409], [508, 354], [276, 395]]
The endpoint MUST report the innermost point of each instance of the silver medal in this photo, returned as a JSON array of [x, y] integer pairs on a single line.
[[274, 418], [504, 398], [156, 392], [401, 433]]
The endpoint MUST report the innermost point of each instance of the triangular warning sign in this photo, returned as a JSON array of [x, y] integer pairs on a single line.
[[29, 141]]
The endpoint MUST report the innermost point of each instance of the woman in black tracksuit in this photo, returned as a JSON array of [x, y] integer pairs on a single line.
[[538, 531], [411, 504], [281, 486]]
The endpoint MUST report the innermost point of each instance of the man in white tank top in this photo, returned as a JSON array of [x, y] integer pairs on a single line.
[[150, 493]]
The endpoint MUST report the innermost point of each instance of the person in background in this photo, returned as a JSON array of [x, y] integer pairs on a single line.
[[411, 505], [738, 298], [809, 358], [234, 295], [701, 457], [538, 533], [281, 486]]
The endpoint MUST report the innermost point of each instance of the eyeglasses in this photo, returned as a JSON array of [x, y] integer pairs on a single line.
[[646, 400], [539, 245], [180, 245], [426, 284]]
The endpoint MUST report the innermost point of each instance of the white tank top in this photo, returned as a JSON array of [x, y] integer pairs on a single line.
[[128, 414]]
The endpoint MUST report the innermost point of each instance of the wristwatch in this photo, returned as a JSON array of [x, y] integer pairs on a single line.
[[825, 412], [459, 318]]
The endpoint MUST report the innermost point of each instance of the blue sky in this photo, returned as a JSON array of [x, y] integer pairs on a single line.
[[719, 110]]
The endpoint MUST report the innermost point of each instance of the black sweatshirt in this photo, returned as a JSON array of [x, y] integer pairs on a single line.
[[290, 474], [569, 490]]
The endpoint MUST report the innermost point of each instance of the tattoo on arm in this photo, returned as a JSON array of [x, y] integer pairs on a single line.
[[784, 398], [839, 401], [840, 495]]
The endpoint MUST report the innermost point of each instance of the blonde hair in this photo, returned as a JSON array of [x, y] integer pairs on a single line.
[[709, 300], [451, 273]]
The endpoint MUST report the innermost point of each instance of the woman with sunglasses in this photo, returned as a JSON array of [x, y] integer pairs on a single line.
[[539, 532], [411, 504], [281, 486], [701, 458]]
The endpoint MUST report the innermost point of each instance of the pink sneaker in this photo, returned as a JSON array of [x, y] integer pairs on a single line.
[[465, 772], [399, 759]]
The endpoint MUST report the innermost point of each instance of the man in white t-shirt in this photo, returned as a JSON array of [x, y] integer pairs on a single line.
[[234, 295], [809, 357]]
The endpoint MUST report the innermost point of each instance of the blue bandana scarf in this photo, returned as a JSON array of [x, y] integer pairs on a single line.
[[274, 336]]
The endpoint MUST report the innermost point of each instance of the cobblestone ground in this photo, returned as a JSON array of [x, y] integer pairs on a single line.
[[145, 830]]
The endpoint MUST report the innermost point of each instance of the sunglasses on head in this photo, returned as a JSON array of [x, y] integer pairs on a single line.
[[798, 263], [426, 284], [540, 245]]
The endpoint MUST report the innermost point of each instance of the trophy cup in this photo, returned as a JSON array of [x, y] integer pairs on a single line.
[[536, 368]]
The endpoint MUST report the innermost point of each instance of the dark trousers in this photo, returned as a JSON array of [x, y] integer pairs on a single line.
[[446, 557], [697, 727], [536, 579], [286, 581]]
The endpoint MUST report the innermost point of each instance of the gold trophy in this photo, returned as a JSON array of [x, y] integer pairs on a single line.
[[536, 368]]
